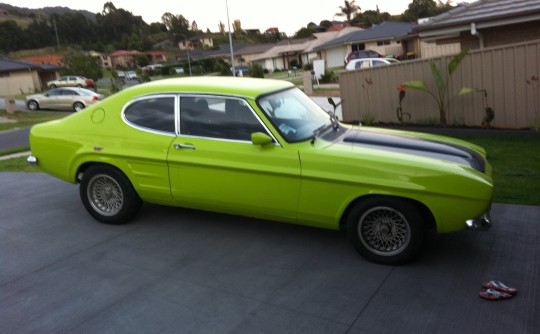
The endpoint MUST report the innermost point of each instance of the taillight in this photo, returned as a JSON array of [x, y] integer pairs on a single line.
[[95, 98]]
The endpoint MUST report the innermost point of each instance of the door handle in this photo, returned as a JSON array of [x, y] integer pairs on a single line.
[[181, 146]]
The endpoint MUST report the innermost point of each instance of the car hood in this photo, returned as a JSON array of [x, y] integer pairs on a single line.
[[410, 144]]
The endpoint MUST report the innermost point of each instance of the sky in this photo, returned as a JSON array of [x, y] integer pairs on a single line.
[[288, 15]]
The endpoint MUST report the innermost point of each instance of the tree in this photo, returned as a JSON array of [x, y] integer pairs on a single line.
[[348, 10], [176, 24], [221, 28], [82, 64], [12, 37], [425, 8], [237, 27], [304, 33], [194, 26]]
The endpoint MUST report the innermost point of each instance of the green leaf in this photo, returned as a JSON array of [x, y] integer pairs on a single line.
[[438, 78], [469, 90], [416, 84], [454, 63]]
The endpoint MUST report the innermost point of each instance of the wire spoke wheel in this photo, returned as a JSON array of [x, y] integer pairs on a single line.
[[105, 195], [384, 231]]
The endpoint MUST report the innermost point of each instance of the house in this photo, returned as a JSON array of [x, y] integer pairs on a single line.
[[484, 23], [104, 60], [44, 59], [385, 38], [158, 57], [124, 58], [283, 55], [17, 77], [311, 51], [197, 42]]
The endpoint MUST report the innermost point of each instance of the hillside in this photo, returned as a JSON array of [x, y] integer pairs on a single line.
[[22, 14]]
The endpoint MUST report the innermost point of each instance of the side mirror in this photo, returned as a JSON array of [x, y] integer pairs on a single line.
[[259, 138]]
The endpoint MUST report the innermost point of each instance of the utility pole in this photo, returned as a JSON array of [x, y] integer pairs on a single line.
[[230, 40], [56, 32]]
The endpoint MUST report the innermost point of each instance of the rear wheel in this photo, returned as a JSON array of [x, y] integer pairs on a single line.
[[78, 106], [386, 230], [32, 105], [79, 86], [52, 86], [107, 194]]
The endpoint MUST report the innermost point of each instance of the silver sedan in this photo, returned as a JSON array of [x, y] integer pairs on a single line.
[[66, 97]]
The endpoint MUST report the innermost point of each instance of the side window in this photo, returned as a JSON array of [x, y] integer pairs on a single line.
[[365, 64], [218, 117], [67, 92], [153, 113]]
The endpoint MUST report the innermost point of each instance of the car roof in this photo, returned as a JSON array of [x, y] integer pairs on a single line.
[[248, 87], [373, 59]]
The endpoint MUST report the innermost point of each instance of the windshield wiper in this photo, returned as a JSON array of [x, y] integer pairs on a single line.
[[319, 130]]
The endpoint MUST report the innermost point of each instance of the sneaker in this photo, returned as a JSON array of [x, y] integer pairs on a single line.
[[499, 286], [491, 294]]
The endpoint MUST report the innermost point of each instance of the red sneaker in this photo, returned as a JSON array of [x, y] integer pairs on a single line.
[[499, 286], [491, 294]]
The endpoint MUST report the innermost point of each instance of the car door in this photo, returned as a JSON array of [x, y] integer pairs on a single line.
[[215, 166], [50, 99]]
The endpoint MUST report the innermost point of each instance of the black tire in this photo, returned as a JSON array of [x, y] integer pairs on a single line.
[[386, 230], [107, 194], [79, 86], [52, 86], [32, 105], [78, 106]]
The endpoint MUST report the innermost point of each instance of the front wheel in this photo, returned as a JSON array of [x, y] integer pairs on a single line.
[[386, 230], [32, 105], [107, 194]]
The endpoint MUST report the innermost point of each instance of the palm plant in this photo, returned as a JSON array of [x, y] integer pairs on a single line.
[[441, 93], [348, 10]]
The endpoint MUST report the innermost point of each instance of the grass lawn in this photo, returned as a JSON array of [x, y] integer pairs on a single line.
[[516, 168], [21, 119]]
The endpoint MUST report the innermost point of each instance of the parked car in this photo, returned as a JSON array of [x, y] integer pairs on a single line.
[[71, 81], [131, 75], [362, 54], [241, 71], [262, 148], [121, 74], [356, 64], [67, 97]]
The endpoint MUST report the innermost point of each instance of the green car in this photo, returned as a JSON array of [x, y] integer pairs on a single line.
[[262, 148]]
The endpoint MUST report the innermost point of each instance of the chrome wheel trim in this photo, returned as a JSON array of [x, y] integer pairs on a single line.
[[105, 195], [32, 105], [384, 231]]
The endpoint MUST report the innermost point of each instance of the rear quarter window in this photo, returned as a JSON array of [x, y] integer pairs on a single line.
[[153, 113]]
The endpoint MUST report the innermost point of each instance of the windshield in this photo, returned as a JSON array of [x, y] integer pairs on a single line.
[[294, 114]]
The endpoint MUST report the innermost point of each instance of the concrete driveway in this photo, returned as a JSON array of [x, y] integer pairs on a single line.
[[181, 271]]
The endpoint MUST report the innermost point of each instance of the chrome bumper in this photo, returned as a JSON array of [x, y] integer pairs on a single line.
[[480, 224], [32, 160]]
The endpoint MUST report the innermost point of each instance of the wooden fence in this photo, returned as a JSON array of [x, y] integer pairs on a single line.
[[509, 74]]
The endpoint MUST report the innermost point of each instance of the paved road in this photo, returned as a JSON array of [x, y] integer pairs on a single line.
[[180, 271]]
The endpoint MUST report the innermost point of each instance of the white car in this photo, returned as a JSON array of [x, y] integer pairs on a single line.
[[360, 63], [131, 75]]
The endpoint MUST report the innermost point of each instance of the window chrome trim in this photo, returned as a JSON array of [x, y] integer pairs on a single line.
[[232, 97], [148, 97]]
